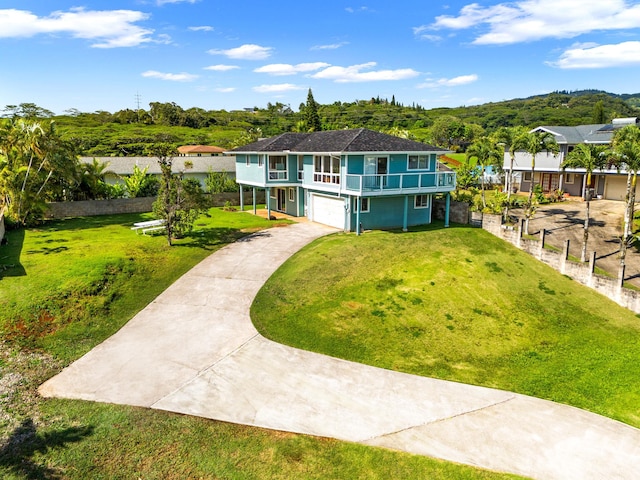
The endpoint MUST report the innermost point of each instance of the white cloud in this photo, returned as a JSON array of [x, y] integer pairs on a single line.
[[419, 32], [202, 28], [357, 10], [450, 82], [355, 73], [245, 52], [331, 46], [282, 87], [173, 77], [599, 56], [286, 69], [107, 28], [225, 89], [528, 20], [221, 68]]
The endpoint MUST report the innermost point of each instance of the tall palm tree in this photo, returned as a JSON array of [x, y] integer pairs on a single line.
[[506, 136], [626, 149], [486, 153], [534, 143], [587, 156]]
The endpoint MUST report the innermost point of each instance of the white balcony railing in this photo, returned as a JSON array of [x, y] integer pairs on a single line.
[[426, 182]]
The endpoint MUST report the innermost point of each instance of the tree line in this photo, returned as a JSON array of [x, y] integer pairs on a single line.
[[129, 131]]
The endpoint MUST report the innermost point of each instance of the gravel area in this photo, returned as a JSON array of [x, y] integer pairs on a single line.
[[565, 220]]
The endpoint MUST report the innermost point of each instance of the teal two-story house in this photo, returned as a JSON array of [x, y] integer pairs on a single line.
[[350, 179]]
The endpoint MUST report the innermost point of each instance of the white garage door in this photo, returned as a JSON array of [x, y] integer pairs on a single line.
[[616, 187], [328, 210]]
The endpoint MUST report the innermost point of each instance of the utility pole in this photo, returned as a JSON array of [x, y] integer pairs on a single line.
[[137, 98]]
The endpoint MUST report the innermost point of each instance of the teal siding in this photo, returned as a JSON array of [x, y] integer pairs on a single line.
[[355, 165], [388, 212], [252, 173], [284, 205], [398, 163]]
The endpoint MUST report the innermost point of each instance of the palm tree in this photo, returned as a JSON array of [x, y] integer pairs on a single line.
[[30, 156], [486, 153], [506, 136], [626, 149], [534, 143], [588, 156]]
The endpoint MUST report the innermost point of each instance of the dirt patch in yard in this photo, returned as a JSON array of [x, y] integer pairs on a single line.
[[565, 220]]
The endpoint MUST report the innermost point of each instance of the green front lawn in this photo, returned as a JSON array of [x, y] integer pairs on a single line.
[[67, 286], [457, 304]]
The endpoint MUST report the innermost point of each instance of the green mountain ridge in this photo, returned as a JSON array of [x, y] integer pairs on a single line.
[[128, 132]]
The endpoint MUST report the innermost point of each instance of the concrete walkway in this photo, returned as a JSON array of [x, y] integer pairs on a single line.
[[194, 350]]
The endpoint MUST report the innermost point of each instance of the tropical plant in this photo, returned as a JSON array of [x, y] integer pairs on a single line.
[[91, 183], [36, 165], [219, 182], [534, 143], [487, 154], [140, 183], [587, 156], [626, 152], [506, 137]]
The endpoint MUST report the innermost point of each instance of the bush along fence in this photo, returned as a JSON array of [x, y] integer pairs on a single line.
[[559, 260], [89, 208], [2, 230]]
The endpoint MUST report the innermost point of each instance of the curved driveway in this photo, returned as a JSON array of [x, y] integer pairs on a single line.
[[194, 351]]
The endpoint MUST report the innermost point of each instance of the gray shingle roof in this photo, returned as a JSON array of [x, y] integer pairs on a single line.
[[348, 141], [596, 133]]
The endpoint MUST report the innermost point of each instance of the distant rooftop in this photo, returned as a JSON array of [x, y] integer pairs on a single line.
[[200, 149]]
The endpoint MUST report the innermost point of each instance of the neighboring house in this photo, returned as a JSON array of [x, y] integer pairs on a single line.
[[200, 151], [349, 179], [610, 183], [118, 167]]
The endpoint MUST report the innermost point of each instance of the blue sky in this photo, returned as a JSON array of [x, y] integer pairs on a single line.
[[230, 54]]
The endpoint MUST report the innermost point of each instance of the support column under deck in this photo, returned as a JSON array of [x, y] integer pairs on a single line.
[[267, 198], [405, 215], [358, 229], [446, 209], [255, 207]]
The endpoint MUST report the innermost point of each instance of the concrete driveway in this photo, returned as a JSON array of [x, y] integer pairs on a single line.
[[194, 351]]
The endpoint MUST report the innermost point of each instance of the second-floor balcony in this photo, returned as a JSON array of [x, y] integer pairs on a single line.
[[425, 182]]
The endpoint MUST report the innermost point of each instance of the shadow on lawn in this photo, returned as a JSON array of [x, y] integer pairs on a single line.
[[10, 265], [98, 221], [16, 454], [210, 238], [435, 225]]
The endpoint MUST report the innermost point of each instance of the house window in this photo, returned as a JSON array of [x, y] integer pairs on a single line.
[[292, 195], [418, 162], [300, 167], [569, 178], [273, 193], [526, 176], [326, 169], [277, 167], [260, 160], [247, 160], [421, 201], [364, 204]]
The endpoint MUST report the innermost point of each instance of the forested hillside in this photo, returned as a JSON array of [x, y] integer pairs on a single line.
[[127, 132]]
